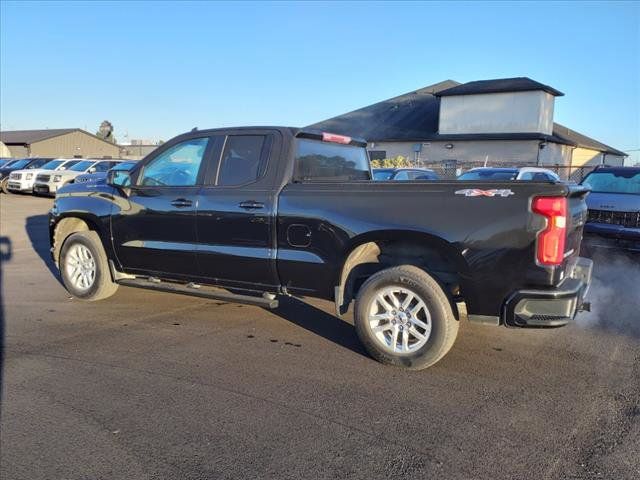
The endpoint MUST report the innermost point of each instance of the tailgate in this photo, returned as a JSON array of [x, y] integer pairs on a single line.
[[576, 218]]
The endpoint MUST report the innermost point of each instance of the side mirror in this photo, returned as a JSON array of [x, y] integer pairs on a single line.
[[120, 179], [92, 170]]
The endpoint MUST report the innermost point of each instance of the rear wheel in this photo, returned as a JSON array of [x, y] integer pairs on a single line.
[[84, 267], [404, 318]]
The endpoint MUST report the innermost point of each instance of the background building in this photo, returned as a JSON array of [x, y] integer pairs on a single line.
[[495, 122], [59, 143], [4, 151], [137, 149]]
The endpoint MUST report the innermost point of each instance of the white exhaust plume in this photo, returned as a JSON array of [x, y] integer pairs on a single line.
[[614, 294]]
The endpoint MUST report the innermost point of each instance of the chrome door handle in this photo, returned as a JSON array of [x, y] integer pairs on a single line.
[[181, 203], [251, 205]]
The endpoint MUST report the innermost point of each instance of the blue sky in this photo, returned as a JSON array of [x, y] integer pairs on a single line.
[[157, 69]]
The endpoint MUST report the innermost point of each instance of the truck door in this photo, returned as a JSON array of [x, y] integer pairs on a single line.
[[236, 212], [154, 231]]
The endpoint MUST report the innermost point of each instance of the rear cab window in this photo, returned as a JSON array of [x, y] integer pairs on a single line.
[[322, 161]]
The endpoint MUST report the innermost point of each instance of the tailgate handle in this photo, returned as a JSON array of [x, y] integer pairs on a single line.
[[181, 203], [251, 205]]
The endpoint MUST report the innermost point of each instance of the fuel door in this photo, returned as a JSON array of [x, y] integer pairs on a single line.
[[299, 235]]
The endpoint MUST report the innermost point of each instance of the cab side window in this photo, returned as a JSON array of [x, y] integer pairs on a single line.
[[176, 167], [243, 159]]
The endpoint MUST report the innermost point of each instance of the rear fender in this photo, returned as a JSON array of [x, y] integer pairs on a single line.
[[375, 251]]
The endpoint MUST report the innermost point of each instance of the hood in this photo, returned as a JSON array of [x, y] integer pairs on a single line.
[[91, 177], [34, 171], [85, 188], [614, 202], [68, 173]]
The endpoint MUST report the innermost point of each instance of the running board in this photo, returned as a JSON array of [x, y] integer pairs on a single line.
[[196, 291]]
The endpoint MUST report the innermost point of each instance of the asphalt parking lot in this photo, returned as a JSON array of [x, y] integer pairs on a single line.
[[153, 385]]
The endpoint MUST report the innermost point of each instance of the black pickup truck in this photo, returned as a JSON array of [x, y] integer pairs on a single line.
[[246, 214]]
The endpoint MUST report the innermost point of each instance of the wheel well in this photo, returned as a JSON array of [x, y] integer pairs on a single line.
[[369, 258], [66, 227]]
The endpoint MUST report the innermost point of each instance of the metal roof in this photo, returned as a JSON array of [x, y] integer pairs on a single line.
[[517, 84], [579, 140], [413, 117], [406, 117], [26, 137]]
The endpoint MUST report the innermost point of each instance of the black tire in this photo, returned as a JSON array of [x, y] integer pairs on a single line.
[[102, 286], [4, 186], [444, 326]]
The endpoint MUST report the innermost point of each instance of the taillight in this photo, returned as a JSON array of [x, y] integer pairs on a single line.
[[551, 240], [332, 137]]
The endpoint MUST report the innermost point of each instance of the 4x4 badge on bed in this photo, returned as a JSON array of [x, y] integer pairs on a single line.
[[476, 192]]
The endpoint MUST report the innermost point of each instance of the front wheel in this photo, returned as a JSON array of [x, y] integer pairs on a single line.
[[404, 318], [4, 186], [84, 267]]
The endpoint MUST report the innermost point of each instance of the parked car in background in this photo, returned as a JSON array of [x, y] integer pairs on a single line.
[[101, 176], [49, 183], [614, 208], [22, 164], [489, 174], [22, 181], [382, 174]]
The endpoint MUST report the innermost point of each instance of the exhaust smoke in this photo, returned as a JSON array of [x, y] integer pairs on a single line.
[[614, 294]]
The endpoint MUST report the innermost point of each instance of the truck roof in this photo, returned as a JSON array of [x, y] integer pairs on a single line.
[[294, 131]]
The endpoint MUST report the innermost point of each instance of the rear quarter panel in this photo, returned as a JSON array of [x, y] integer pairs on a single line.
[[492, 239]]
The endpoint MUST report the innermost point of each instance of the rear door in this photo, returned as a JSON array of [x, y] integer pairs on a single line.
[[154, 231], [237, 208]]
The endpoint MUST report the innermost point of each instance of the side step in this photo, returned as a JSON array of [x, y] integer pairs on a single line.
[[196, 291]]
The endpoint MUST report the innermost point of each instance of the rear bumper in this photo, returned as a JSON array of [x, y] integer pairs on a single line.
[[550, 307]]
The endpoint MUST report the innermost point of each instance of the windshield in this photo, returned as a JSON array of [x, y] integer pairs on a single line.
[[52, 165], [489, 175], [382, 174], [82, 166], [18, 164], [613, 182], [69, 164], [37, 163]]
